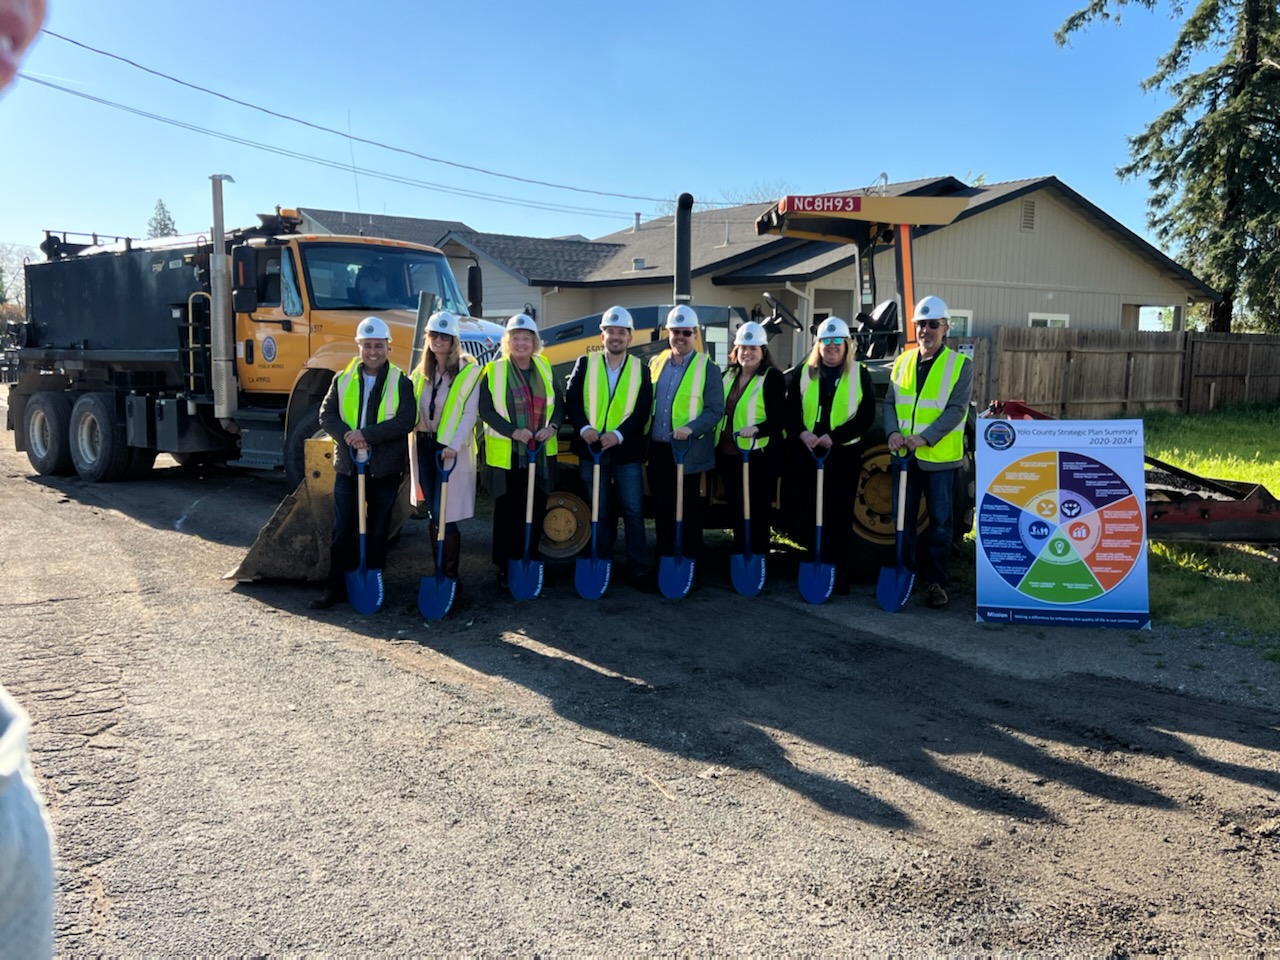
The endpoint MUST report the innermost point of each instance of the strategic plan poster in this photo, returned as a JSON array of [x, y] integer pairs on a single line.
[[1061, 523]]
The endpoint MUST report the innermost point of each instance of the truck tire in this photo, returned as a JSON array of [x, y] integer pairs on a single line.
[[99, 448], [48, 418], [304, 426]]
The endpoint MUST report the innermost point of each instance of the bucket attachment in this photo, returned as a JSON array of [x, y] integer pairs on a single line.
[[294, 543]]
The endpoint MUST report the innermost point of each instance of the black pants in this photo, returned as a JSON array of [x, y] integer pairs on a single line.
[[763, 480], [508, 518], [839, 487], [662, 485], [344, 549]]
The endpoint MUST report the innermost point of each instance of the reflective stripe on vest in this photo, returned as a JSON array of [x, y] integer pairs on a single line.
[[687, 405], [460, 387], [749, 411], [497, 448], [602, 413], [844, 405], [349, 394], [917, 406]]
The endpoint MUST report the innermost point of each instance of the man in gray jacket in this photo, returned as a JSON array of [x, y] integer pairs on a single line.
[[688, 404]]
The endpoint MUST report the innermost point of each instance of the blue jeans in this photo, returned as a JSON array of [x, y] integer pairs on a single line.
[[626, 483], [932, 556]]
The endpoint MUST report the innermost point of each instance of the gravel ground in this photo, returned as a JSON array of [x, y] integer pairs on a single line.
[[229, 772]]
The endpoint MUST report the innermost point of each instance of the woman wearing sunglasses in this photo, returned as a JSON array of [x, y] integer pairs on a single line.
[[830, 406]]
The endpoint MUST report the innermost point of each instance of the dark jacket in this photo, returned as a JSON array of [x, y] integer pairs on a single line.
[[857, 427], [775, 412], [388, 448], [634, 429]]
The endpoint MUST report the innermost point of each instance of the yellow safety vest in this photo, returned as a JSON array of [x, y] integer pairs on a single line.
[[602, 413], [844, 405], [497, 448], [750, 409], [349, 394], [918, 405], [687, 405], [464, 381]]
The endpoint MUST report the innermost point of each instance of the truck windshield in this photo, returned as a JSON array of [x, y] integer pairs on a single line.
[[354, 276]]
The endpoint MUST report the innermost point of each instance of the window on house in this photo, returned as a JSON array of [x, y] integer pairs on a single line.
[[961, 323], [1049, 320]]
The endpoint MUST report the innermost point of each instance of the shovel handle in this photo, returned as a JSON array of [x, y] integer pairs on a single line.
[[901, 464]]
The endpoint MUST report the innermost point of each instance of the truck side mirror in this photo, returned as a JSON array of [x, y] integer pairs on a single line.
[[244, 280], [475, 291]]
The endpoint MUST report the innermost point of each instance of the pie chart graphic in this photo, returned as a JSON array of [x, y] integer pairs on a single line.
[[1061, 527]]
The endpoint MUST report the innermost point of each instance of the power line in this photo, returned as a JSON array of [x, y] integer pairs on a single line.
[[374, 143], [335, 165]]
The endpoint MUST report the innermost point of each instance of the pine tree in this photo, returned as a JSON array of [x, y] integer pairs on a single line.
[[161, 223], [1212, 160]]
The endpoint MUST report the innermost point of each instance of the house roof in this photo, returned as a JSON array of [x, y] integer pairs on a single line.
[[539, 261], [993, 195], [409, 229]]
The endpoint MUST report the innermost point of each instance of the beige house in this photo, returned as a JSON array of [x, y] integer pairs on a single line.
[[1023, 253]]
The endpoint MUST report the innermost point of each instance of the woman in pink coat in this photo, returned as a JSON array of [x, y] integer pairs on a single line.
[[445, 384]]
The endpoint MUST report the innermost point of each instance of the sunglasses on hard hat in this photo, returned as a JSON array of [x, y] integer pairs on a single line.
[[931, 324]]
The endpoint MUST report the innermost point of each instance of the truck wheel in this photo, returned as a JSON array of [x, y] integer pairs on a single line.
[[305, 426], [48, 419], [99, 449]]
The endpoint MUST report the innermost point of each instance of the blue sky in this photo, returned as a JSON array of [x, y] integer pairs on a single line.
[[644, 99]]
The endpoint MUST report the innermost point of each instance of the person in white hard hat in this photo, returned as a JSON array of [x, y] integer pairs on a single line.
[[520, 408], [368, 411], [688, 404], [830, 407], [755, 394], [607, 401], [924, 413], [445, 382]]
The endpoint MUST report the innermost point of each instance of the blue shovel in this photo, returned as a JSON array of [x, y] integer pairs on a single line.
[[591, 576], [894, 586], [818, 579], [435, 594], [525, 575], [364, 586], [746, 570], [675, 573]]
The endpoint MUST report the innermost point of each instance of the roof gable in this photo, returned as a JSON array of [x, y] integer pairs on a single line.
[[410, 229]]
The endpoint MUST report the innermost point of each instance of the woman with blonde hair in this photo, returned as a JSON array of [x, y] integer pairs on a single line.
[[830, 406], [520, 407], [445, 383]]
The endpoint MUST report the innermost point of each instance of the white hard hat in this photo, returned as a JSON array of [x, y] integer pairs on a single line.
[[750, 334], [522, 321], [833, 327], [930, 308], [617, 317], [442, 321], [682, 318], [373, 328]]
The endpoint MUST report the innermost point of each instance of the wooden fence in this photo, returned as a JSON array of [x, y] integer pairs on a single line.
[[1084, 374]]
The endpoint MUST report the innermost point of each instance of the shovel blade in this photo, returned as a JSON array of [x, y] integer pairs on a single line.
[[435, 596], [365, 590], [746, 570], [675, 577], [591, 577], [894, 587], [525, 577], [817, 580]]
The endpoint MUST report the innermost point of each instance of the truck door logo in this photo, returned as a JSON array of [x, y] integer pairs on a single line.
[[269, 349]]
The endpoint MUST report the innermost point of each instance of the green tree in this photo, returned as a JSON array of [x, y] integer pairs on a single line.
[[161, 223], [1212, 160]]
